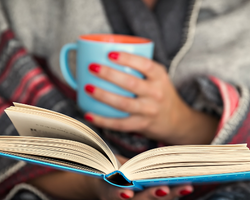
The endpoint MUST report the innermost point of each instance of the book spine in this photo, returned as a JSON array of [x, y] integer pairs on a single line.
[[118, 179]]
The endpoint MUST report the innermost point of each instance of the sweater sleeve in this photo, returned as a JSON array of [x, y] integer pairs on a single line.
[[233, 126], [23, 80], [229, 102]]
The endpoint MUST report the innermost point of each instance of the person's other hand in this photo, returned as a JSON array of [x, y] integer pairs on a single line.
[[109, 192], [157, 112], [69, 185]]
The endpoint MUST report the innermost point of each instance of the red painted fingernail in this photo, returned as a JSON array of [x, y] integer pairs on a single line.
[[125, 196], [94, 67], [88, 118], [114, 55], [89, 88], [160, 193], [185, 192]]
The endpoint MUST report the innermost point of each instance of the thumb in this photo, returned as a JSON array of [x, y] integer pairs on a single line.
[[121, 159]]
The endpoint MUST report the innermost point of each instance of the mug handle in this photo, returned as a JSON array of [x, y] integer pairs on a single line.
[[64, 64]]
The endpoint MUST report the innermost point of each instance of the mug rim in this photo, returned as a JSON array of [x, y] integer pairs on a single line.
[[115, 38]]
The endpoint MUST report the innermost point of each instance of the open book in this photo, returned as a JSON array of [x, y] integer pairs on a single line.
[[56, 140]]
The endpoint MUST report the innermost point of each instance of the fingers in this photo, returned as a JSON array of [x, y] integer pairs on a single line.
[[126, 194], [147, 67], [109, 192], [180, 191], [116, 101], [164, 193], [126, 104], [153, 193], [119, 194], [126, 81]]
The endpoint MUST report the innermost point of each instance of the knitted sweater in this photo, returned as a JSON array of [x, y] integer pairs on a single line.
[[31, 29]]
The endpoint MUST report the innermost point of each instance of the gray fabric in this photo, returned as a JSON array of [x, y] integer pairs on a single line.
[[201, 94], [221, 44], [164, 25], [235, 191], [45, 26], [214, 50]]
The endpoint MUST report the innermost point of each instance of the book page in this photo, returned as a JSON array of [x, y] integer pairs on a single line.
[[182, 149], [40, 122], [58, 149], [188, 160], [188, 171], [55, 161]]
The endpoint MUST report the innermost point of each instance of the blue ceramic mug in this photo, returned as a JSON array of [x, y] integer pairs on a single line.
[[95, 48]]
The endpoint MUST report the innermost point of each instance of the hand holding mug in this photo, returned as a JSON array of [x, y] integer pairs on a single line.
[[157, 112], [121, 88]]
